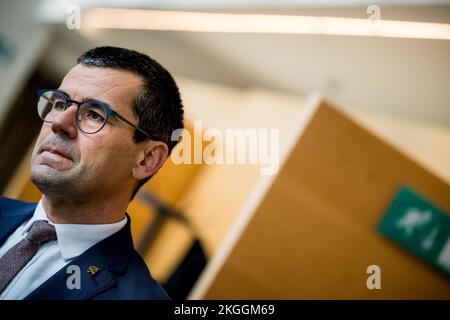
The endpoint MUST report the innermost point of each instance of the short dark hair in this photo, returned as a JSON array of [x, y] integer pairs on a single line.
[[158, 105]]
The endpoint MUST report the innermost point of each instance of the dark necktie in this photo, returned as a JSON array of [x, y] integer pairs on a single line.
[[19, 255]]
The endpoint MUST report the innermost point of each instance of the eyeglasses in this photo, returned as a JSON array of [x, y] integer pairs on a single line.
[[91, 115]]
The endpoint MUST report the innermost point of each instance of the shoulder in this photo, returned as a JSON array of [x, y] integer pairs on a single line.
[[142, 278], [11, 205], [12, 214], [7, 202], [136, 283]]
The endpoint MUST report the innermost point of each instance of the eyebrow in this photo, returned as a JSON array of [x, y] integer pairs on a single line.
[[65, 93], [84, 98]]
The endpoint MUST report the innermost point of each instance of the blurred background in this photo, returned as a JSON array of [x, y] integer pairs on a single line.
[[360, 112]]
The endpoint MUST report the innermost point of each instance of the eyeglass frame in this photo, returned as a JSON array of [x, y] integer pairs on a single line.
[[109, 112]]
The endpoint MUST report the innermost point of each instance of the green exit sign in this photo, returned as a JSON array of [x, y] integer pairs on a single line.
[[419, 226]]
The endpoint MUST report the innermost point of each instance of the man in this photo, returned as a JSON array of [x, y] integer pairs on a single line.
[[106, 131]]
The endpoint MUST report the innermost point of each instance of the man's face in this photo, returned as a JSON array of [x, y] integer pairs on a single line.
[[68, 162]]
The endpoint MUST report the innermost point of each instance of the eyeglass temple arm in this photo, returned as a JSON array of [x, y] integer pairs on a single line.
[[134, 126], [115, 113]]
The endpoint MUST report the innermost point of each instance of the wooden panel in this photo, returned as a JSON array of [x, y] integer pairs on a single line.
[[174, 239], [314, 233], [20, 186]]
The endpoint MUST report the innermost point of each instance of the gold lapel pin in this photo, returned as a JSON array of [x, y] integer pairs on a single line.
[[93, 270]]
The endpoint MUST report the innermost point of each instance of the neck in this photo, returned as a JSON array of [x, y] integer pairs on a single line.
[[90, 211]]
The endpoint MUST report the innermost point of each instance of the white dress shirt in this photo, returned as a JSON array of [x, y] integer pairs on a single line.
[[73, 240]]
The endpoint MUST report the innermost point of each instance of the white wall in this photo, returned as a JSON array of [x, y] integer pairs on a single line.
[[28, 39]]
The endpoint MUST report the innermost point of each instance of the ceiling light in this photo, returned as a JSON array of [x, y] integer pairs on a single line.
[[108, 18]]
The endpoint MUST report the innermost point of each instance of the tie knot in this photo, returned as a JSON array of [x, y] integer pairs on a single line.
[[41, 231]]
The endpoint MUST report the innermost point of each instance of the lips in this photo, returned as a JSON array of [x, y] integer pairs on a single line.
[[57, 151]]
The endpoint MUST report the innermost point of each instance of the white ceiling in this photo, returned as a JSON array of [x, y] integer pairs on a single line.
[[223, 4], [404, 77]]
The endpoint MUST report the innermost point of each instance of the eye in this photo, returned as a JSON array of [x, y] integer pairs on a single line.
[[59, 105], [95, 116]]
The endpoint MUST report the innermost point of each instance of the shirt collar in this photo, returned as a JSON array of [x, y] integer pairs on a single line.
[[74, 239]]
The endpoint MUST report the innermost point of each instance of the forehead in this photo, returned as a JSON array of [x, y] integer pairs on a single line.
[[115, 87]]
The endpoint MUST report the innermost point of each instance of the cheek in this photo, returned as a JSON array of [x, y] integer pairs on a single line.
[[42, 135], [45, 131], [111, 159]]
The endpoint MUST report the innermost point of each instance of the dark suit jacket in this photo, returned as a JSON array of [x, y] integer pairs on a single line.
[[122, 275]]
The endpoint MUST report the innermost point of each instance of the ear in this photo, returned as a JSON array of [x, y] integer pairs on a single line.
[[150, 159]]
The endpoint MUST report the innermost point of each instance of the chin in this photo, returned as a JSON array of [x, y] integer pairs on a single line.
[[50, 180]]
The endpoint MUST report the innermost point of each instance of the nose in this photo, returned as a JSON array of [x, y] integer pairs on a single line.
[[65, 122]]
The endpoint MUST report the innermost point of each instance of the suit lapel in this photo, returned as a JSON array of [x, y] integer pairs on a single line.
[[57, 287], [12, 216], [111, 256]]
